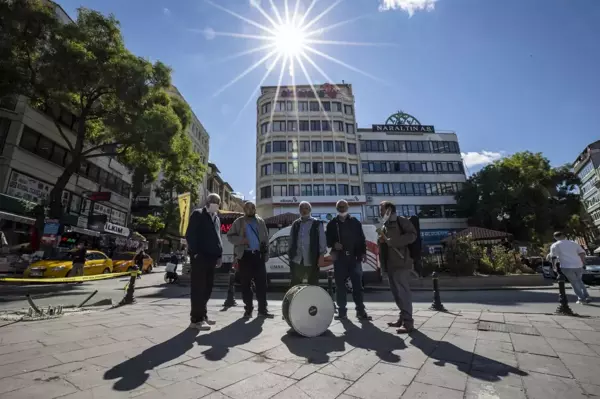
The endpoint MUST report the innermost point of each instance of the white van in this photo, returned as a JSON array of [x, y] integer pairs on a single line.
[[278, 266]]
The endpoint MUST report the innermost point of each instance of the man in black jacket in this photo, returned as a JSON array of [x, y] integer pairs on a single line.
[[307, 247], [348, 245], [203, 237]]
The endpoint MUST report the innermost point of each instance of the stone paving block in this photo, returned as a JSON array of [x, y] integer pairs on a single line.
[[483, 345], [261, 386], [24, 380], [489, 316], [542, 386], [411, 357], [447, 375], [107, 392], [480, 389], [584, 368], [570, 346], [591, 389], [17, 337], [229, 375], [8, 370], [425, 391], [542, 364], [531, 344], [179, 390], [352, 365], [321, 386], [488, 377], [494, 336], [179, 372], [108, 360], [572, 324], [89, 376], [293, 392], [94, 351], [465, 328], [517, 319], [28, 345], [48, 390], [382, 382], [596, 348], [216, 395], [75, 335], [27, 354], [438, 322], [211, 361], [295, 370], [494, 360], [455, 349], [588, 337], [425, 313], [556, 332], [470, 315]]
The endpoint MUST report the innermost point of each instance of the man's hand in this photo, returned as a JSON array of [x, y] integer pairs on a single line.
[[364, 258], [245, 241], [338, 246], [383, 238], [219, 263], [321, 261]]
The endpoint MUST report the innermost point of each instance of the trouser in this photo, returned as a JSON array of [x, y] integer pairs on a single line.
[[343, 267], [252, 267], [574, 276], [300, 271], [77, 269], [400, 287], [202, 276]]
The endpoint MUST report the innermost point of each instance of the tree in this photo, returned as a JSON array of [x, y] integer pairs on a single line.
[[523, 195], [119, 100]]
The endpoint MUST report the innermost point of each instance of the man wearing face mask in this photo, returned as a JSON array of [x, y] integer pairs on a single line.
[[395, 236], [307, 247], [250, 239], [203, 237], [348, 245]]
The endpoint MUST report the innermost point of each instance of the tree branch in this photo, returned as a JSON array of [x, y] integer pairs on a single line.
[[99, 147], [63, 135], [108, 154]]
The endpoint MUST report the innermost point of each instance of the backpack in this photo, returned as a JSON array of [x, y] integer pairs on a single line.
[[414, 248]]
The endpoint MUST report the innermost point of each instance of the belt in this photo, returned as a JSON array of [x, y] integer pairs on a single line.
[[346, 253]]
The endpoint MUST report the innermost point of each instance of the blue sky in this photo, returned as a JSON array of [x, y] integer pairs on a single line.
[[506, 75]]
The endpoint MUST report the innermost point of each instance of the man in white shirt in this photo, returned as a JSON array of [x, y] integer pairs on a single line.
[[572, 262]]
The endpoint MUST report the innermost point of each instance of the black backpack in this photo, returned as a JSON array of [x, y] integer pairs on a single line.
[[414, 248]]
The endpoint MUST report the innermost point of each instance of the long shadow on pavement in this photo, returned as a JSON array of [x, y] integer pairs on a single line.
[[370, 337], [315, 350], [237, 333]]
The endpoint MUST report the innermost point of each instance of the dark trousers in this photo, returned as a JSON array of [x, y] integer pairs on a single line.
[[300, 271], [202, 275], [344, 267], [251, 268]]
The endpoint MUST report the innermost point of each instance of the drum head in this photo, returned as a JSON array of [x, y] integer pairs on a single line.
[[311, 311]]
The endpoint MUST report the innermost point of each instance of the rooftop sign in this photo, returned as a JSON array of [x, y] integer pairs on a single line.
[[401, 122], [326, 90]]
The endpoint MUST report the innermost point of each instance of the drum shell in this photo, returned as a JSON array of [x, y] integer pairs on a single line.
[[314, 310]]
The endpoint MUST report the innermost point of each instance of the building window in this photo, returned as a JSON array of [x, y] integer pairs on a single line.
[[265, 170], [314, 106], [338, 126], [327, 146], [330, 189], [29, 140], [326, 106], [294, 189], [353, 169], [349, 128], [58, 155], [267, 148], [280, 106], [289, 105], [293, 168], [264, 128], [302, 106], [265, 192], [279, 168], [317, 167], [292, 146], [306, 190], [336, 106], [351, 148], [44, 148], [317, 146], [341, 168], [305, 168], [265, 108], [340, 146], [355, 190], [280, 191], [279, 146], [315, 126], [318, 190], [348, 109], [303, 126], [4, 127], [292, 126], [325, 126], [330, 167], [343, 189], [305, 146], [279, 126]]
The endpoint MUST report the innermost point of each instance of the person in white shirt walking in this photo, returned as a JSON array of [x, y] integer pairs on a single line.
[[572, 262]]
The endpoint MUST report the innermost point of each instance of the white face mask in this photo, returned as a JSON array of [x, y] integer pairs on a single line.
[[386, 216], [213, 208]]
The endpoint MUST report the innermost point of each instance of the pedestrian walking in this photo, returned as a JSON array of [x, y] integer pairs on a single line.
[[572, 263], [79, 257], [307, 247], [348, 245], [250, 238], [203, 237], [139, 261], [395, 236]]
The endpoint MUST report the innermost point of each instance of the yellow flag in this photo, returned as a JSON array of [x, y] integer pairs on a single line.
[[184, 212]]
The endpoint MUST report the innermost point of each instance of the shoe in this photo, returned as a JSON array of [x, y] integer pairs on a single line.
[[395, 323], [405, 330], [209, 321], [341, 316], [247, 314], [265, 314], [363, 316], [200, 326], [588, 300]]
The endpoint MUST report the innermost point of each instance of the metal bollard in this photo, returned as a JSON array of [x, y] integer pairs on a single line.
[[563, 307], [331, 289], [437, 302], [129, 298], [230, 301]]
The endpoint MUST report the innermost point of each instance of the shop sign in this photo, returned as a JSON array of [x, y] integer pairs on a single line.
[[434, 237], [116, 229], [404, 128], [225, 228], [330, 199], [326, 90], [51, 227], [27, 188]]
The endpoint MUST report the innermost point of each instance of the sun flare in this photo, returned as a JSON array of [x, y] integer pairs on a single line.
[[289, 40]]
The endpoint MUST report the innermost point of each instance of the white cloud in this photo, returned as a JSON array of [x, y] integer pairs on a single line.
[[409, 6], [251, 193], [209, 33], [473, 159], [166, 11]]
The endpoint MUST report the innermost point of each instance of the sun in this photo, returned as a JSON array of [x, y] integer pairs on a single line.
[[289, 39]]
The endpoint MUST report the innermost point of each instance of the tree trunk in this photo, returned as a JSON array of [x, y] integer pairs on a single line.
[[55, 197]]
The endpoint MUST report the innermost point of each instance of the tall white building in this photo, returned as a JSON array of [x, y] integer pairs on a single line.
[[417, 168], [587, 168], [307, 150]]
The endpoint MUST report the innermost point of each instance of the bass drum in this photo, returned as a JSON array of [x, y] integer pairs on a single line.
[[308, 310]]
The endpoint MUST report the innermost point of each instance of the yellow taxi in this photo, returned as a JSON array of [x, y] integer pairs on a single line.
[[61, 265], [124, 262]]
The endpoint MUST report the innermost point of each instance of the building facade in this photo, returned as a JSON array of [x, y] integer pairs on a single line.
[[307, 150], [587, 168], [415, 167], [230, 201]]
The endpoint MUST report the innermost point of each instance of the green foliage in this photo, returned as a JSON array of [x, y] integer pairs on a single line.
[[152, 222], [499, 260], [462, 256], [119, 99], [537, 198]]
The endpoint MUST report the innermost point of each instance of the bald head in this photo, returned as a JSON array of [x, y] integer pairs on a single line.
[[305, 209]]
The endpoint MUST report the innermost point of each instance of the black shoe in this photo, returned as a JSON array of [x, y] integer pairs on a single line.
[[395, 323], [209, 321], [363, 316], [341, 316], [248, 314], [265, 314]]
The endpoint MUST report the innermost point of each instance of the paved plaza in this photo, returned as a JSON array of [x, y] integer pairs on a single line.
[[146, 351]]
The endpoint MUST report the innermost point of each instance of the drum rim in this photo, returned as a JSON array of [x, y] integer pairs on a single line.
[[291, 321]]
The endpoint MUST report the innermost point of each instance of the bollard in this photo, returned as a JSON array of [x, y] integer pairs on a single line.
[[129, 298], [331, 289], [87, 299], [563, 307], [437, 302], [230, 301]]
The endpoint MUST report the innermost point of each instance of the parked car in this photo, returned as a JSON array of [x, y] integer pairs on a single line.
[[124, 262], [591, 275], [61, 265]]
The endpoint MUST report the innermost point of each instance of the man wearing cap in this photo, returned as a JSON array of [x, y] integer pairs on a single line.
[[307, 247], [348, 245]]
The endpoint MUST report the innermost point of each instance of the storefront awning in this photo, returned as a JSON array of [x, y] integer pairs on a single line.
[[16, 218]]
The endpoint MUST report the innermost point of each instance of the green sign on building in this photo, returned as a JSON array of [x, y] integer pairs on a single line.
[[402, 122]]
